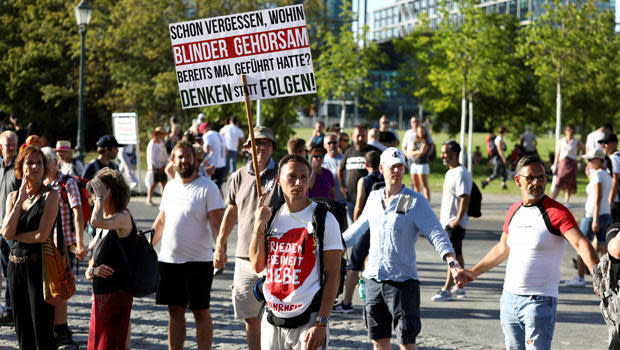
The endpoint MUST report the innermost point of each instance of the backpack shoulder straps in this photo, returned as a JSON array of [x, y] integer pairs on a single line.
[[318, 223]]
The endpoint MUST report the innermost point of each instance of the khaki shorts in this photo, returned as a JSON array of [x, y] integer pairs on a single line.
[[244, 303], [276, 338]]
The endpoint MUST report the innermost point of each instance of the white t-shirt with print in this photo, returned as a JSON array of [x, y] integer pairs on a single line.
[[456, 183], [214, 140], [293, 277], [187, 232], [604, 178]]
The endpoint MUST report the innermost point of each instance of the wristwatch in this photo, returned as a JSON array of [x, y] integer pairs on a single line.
[[321, 320], [454, 263]]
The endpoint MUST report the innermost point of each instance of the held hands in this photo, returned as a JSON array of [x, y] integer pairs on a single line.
[[219, 259], [80, 251], [462, 276]]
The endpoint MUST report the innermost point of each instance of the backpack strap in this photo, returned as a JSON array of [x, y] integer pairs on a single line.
[[318, 224]]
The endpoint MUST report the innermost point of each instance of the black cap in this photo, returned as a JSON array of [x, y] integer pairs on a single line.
[[108, 141], [609, 138]]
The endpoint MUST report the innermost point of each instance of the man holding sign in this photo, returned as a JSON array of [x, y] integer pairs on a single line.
[[298, 302]]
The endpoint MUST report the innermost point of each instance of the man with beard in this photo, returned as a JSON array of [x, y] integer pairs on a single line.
[[242, 201], [189, 219], [533, 239], [353, 167]]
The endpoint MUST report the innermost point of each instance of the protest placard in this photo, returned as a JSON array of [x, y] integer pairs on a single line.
[[271, 47]]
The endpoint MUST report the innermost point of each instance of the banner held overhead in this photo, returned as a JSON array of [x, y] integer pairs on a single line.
[[270, 47]]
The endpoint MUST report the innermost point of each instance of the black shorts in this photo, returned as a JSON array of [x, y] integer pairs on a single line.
[[456, 235], [160, 176], [187, 285], [219, 176], [359, 252], [393, 304]]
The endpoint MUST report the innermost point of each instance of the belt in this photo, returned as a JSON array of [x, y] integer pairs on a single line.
[[24, 259]]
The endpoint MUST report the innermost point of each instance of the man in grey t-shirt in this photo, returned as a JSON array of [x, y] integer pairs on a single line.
[[242, 200], [332, 161]]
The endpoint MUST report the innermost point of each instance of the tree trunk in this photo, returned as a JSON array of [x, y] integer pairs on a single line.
[[470, 164], [342, 113], [558, 112]]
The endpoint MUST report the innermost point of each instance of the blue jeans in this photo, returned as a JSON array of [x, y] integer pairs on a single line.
[[528, 321], [231, 161], [604, 221]]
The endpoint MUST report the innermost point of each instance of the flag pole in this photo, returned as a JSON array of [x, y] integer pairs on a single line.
[[248, 112]]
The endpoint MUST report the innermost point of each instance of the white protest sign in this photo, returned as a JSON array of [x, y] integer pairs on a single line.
[[125, 127], [271, 47]]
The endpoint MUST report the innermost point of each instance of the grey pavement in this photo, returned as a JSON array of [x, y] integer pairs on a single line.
[[471, 323]]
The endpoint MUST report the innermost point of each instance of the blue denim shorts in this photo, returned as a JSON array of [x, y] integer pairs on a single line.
[[393, 304], [527, 321], [604, 221]]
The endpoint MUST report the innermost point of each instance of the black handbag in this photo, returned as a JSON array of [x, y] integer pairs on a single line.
[[144, 272]]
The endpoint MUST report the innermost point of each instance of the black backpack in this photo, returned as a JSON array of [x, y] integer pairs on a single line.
[[475, 202], [323, 206]]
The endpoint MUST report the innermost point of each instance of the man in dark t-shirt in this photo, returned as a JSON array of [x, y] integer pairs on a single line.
[[353, 167]]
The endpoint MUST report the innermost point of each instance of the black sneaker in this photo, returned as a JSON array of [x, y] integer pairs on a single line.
[[63, 336], [484, 183], [343, 308]]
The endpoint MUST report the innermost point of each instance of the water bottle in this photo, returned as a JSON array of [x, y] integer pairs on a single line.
[[362, 290]]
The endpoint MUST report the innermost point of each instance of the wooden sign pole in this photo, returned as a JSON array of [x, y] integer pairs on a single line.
[[248, 112]]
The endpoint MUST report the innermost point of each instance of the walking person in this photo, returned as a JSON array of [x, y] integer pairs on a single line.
[[298, 303], [30, 216], [498, 157], [216, 150], [109, 268], [242, 202], [533, 239], [156, 160], [565, 164], [457, 187], [610, 146], [322, 183], [68, 164], [332, 160], [233, 137], [188, 222], [107, 149], [598, 211], [418, 152], [395, 216]]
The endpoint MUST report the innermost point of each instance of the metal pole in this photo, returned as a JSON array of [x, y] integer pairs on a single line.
[[80, 133], [259, 108]]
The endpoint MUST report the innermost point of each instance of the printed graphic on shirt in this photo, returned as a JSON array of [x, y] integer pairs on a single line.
[[288, 266], [356, 163]]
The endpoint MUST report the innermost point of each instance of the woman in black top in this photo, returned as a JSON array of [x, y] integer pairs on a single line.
[[109, 267], [31, 214]]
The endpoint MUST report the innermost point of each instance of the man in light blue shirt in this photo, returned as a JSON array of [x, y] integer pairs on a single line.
[[395, 216]]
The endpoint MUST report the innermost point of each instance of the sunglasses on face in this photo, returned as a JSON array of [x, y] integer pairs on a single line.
[[317, 156], [332, 143]]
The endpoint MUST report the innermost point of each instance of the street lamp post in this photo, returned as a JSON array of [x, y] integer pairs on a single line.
[[82, 13]]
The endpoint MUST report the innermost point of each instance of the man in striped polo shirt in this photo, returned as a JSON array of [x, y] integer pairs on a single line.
[[533, 239]]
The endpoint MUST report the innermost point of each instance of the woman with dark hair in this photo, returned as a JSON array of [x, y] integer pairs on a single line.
[[565, 164], [109, 267], [31, 214]]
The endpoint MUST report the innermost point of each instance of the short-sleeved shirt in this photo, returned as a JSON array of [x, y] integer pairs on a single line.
[[95, 165], [66, 215], [242, 193], [456, 183], [323, 184], [332, 164], [354, 165], [536, 240], [214, 140], [598, 176], [187, 232], [615, 168], [232, 134], [293, 276]]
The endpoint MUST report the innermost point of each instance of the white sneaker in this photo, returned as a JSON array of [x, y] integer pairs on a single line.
[[576, 282], [458, 293], [442, 295]]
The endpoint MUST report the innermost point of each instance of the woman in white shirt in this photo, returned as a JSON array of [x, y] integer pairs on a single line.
[[565, 164], [598, 212]]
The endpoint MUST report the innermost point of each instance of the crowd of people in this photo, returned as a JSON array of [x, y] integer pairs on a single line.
[[289, 239]]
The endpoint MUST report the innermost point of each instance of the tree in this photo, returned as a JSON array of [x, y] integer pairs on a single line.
[[343, 65]]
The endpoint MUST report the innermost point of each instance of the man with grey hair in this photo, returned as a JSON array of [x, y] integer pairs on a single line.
[[8, 184], [533, 239]]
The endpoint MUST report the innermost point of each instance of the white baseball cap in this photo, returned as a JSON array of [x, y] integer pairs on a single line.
[[391, 156]]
